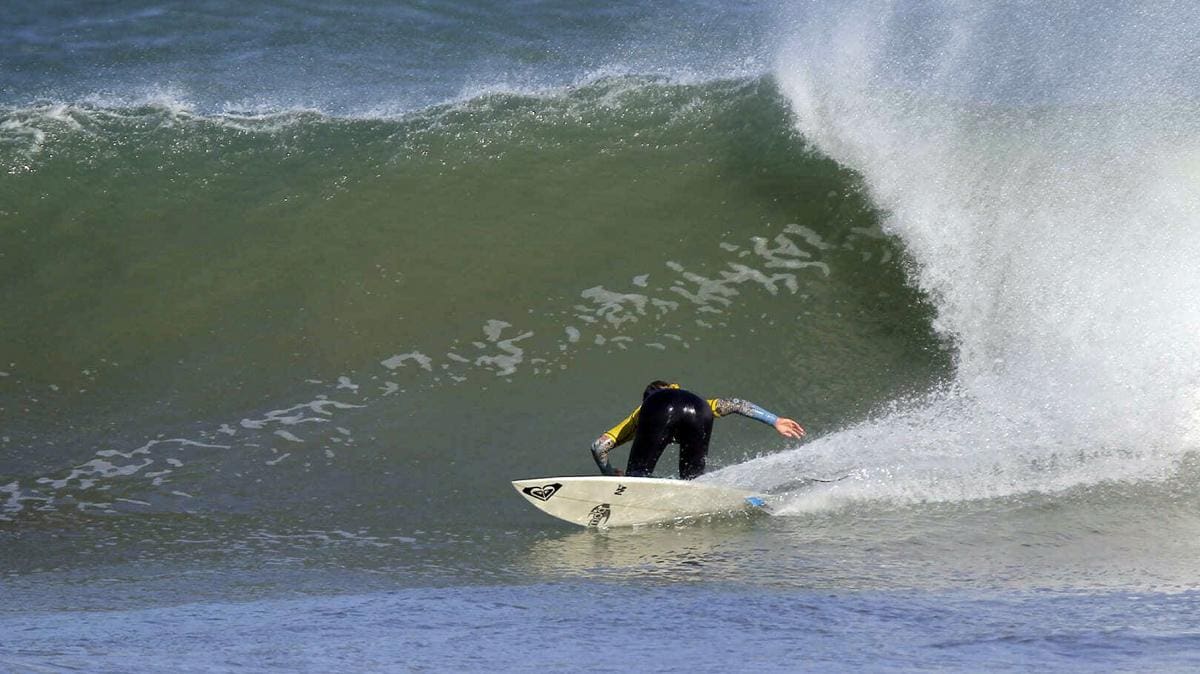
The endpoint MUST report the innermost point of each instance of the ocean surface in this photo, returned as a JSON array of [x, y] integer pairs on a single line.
[[289, 291]]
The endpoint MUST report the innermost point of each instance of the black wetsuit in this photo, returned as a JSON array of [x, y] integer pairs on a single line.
[[672, 415]]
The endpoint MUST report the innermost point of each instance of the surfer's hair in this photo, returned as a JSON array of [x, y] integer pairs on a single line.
[[657, 385]]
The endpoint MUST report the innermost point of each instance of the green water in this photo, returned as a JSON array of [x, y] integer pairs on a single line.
[[174, 273]]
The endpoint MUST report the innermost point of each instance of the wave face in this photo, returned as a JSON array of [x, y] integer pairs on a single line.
[[1039, 167], [304, 317]]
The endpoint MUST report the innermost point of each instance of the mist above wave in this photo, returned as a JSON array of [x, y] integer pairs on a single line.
[[1039, 167]]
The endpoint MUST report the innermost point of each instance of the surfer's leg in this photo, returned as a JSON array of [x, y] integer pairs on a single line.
[[647, 447], [693, 430], [655, 421]]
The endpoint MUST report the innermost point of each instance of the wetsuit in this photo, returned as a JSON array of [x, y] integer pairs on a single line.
[[666, 416]]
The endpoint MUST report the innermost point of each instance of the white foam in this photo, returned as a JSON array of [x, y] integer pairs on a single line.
[[510, 355], [1045, 188], [398, 360]]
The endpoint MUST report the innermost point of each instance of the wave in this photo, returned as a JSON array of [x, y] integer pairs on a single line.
[[1038, 166], [258, 295]]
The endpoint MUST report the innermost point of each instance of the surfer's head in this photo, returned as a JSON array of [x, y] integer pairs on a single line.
[[657, 385]]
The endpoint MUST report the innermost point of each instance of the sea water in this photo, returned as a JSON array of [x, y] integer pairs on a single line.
[[290, 291]]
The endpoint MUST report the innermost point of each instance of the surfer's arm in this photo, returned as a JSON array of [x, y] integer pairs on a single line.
[[786, 427], [600, 453], [619, 434]]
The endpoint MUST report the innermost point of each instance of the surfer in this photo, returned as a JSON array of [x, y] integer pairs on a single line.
[[671, 414]]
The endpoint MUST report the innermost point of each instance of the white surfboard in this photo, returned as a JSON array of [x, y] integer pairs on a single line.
[[604, 501]]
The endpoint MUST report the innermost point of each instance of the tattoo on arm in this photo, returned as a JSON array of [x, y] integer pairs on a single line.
[[745, 408], [600, 449]]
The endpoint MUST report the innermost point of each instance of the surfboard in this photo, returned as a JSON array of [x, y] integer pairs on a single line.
[[605, 501]]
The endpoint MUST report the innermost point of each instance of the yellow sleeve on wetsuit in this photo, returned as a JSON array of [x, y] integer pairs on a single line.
[[623, 432]]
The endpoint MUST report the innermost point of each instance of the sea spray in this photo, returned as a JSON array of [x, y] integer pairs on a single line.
[[1039, 167]]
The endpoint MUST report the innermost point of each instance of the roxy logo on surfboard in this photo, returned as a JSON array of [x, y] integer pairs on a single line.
[[544, 492]]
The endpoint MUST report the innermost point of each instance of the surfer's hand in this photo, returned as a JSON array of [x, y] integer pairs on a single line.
[[618, 472], [789, 429]]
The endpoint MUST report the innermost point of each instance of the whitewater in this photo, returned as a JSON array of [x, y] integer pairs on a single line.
[[1054, 227]]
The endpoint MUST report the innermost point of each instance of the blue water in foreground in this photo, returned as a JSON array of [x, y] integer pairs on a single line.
[[603, 627]]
